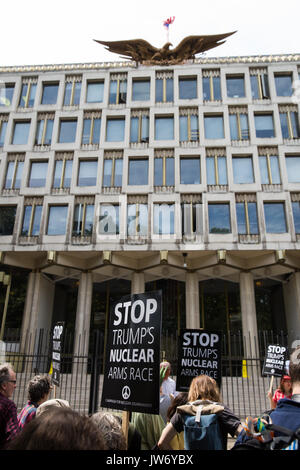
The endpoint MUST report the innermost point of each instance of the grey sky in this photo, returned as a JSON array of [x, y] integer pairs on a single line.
[[63, 32]]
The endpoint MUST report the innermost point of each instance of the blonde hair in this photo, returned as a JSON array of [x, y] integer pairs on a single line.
[[204, 387]]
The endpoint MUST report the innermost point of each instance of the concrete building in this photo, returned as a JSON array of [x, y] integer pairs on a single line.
[[118, 178]]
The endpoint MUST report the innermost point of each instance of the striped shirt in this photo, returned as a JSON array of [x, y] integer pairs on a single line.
[[27, 414]]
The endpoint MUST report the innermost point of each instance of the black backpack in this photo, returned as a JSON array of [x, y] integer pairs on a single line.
[[287, 440]]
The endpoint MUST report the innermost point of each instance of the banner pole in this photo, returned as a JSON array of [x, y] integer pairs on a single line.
[[125, 425], [271, 384]]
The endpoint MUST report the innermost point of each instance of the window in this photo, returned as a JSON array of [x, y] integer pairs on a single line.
[[264, 125], [28, 93], [163, 219], [7, 219], [188, 125], [293, 168], [6, 94], [3, 127], [164, 169], [63, 172], [115, 129], [94, 92], [216, 168], [109, 223], [191, 218], [83, 219], [289, 122], [91, 128], [138, 171], [269, 168], [21, 132], [283, 84], [14, 173], [32, 219], [87, 173], [259, 84], [246, 213], [112, 171], [67, 131], [190, 170], [296, 211], [238, 121], [140, 89], [213, 127], [164, 87], [275, 217], [139, 126], [235, 86], [57, 220], [242, 170], [211, 84], [72, 91], [219, 218], [38, 174], [187, 88], [164, 128], [44, 129], [137, 220], [118, 89], [50, 91]]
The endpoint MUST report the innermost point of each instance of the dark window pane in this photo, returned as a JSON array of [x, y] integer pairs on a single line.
[[7, 219]]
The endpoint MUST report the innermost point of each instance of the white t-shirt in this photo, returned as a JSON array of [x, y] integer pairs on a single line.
[[168, 386]]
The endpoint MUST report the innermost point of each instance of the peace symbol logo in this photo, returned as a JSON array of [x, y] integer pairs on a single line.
[[126, 392]]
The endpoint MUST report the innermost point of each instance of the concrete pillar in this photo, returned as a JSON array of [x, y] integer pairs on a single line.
[[192, 301], [37, 311], [138, 283], [291, 295], [249, 324], [83, 314]]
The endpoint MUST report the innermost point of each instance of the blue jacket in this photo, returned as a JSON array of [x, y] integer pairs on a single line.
[[287, 414]]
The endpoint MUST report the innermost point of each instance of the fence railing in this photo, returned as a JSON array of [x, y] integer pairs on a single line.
[[243, 388]]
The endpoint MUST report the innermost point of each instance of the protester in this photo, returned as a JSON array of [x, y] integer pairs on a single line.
[[149, 426], [284, 391], [8, 411], [59, 429], [110, 429], [168, 385], [177, 443], [50, 404], [39, 389], [287, 411], [205, 392]]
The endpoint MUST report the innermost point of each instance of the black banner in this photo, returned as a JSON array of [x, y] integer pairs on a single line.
[[199, 352], [131, 377], [56, 351], [275, 360]]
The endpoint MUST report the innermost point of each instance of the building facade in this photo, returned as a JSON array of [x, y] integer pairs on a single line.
[[117, 178]]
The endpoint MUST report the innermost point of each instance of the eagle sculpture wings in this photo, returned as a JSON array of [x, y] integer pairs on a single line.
[[142, 51]]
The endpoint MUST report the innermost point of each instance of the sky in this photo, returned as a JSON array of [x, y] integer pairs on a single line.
[[35, 32]]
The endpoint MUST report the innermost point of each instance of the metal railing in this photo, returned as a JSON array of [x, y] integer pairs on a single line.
[[243, 388]]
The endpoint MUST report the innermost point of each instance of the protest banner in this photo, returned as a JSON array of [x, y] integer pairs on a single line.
[[199, 352], [274, 363], [56, 352], [131, 375]]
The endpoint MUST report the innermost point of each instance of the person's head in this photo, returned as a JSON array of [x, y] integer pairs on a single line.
[[52, 404], [39, 388], [59, 429], [204, 387], [110, 429], [294, 368], [180, 399], [7, 380], [286, 385], [165, 365]]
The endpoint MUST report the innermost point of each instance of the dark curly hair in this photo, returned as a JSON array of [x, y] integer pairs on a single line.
[[38, 387]]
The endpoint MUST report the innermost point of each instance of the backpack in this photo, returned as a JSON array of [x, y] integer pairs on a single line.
[[201, 427]]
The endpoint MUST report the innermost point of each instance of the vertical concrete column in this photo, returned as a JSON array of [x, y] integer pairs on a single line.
[[192, 302], [249, 324], [83, 314], [37, 311], [137, 283], [291, 295]]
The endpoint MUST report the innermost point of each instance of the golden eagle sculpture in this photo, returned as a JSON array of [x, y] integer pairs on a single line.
[[142, 51]]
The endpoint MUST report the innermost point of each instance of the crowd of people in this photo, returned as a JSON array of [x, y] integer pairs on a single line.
[[47, 423]]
